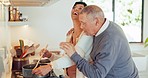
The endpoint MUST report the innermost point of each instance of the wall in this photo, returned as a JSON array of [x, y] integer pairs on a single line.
[[47, 25]]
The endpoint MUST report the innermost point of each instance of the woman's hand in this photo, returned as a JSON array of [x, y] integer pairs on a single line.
[[70, 31], [46, 53], [42, 70]]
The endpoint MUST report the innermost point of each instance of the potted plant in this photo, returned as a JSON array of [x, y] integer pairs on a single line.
[[146, 42]]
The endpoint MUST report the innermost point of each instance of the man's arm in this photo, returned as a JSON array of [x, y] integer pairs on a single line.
[[103, 60], [100, 67]]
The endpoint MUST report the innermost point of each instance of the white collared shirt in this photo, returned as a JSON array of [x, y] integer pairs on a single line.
[[103, 28]]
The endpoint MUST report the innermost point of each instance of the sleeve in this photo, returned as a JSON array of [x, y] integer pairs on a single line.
[[65, 60], [84, 46], [62, 62], [104, 58], [80, 47], [54, 57], [85, 42]]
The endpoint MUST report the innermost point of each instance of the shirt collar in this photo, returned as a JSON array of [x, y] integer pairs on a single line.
[[103, 28]]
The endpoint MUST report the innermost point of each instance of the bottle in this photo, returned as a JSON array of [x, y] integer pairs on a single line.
[[11, 14], [20, 17], [17, 14]]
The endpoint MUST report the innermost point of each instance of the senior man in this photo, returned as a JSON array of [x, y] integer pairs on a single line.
[[111, 55]]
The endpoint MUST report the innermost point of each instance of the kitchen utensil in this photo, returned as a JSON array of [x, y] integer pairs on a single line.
[[21, 45], [40, 57], [30, 50], [25, 50], [18, 52], [43, 60]]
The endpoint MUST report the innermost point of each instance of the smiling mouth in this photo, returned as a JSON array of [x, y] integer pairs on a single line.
[[75, 13]]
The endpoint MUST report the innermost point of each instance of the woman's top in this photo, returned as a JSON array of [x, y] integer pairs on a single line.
[[83, 47]]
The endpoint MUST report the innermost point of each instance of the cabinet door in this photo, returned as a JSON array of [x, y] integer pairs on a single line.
[[2, 26]]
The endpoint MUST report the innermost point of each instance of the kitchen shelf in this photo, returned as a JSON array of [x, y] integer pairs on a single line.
[[17, 23]]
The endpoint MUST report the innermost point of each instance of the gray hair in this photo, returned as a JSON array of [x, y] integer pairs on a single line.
[[93, 11]]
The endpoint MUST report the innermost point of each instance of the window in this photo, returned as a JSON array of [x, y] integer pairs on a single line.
[[126, 13], [102, 3]]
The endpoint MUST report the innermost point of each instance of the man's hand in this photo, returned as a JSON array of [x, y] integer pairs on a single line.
[[68, 48], [42, 70]]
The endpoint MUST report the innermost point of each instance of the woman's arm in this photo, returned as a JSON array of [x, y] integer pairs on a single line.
[[83, 47]]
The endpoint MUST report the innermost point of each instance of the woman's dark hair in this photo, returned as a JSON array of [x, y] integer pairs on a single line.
[[83, 3]]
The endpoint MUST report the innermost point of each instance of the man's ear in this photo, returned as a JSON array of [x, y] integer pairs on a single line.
[[97, 21]]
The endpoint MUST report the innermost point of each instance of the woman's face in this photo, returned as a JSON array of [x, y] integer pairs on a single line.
[[76, 11]]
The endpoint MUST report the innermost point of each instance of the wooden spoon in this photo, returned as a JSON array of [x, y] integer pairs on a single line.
[[40, 57]]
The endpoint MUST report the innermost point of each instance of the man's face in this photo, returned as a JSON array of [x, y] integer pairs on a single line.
[[87, 24], [76, 10]]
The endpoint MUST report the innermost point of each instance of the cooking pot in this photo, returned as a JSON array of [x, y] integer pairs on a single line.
[[18, 63], [27, 71]]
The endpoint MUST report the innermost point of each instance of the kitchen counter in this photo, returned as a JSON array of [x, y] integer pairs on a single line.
[[7, 65]]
